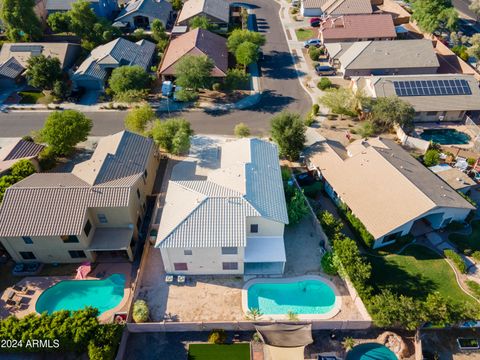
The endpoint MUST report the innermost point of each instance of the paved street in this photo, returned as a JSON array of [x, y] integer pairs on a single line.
[[462, 6], [282, 91]]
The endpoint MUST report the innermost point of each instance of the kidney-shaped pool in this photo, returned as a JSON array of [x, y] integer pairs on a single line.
[[76, 294], [311, 295]]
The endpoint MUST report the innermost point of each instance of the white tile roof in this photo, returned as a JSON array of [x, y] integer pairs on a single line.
[[213, 212]]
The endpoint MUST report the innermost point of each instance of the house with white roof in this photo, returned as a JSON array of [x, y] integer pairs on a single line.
[[93, 213], [95, 70], [387, 189], [141, 13], [230, 221]]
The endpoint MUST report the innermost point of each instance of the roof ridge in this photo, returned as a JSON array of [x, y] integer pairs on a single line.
[[367, 45]]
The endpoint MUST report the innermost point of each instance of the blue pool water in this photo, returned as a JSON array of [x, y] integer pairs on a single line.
[[76, 294], [371, 351], [301, 297], [445, 136]]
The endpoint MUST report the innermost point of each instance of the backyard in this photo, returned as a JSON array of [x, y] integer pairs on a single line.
[[219, 352], [417, 272], [471, 241]]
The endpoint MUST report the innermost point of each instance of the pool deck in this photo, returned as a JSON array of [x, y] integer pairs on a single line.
[[38, 284]]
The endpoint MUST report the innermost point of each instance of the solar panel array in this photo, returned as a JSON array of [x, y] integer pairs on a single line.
[[33, 49], [432, 87]]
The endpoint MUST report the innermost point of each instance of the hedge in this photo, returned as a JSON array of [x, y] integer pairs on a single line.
[[457, 260], [474, 287], [358, 228]]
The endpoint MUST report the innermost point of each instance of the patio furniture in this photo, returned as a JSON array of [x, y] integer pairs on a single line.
[[181, 279], [168, 279]]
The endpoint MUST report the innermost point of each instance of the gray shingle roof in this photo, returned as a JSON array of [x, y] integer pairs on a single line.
[[11, 68], [218, 9], [157, 9], [116, 53], [213, 212], [62, 5], [24, 149]]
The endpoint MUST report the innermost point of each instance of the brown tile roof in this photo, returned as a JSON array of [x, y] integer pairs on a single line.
[[364, 26], [197, 42]]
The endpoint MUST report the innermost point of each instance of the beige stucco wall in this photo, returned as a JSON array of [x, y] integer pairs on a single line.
[[205, 261], [265, 227]]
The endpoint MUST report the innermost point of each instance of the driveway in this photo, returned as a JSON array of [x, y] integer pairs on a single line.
[[282, 91]]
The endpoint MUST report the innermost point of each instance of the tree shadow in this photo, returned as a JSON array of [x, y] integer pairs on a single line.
[[280, 65], [272, 102]]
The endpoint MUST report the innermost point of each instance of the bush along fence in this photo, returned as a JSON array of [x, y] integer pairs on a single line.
[[357, 226]]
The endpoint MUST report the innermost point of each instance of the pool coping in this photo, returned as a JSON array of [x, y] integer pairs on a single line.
[[285, 280]]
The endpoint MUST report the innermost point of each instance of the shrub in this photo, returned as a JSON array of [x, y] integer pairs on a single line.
[[476, 255], [328, 266], [315, 109], [456, 259], [217, 336], [365, 130], [286, 173], [471, 161], [324, 84], [312, 191], [27, 138], [141, 312], [236, 79], [474, 287], [292, 315], [186, 95], [241, 130], [330, 224], [431, 157], [253, 314], [358, 228], [47, 158], [296, 207], [309, 119], [314, 53], [217, 86]]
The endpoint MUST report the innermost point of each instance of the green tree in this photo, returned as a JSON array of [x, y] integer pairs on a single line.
[[330, 224], [42, 72], [474, 50], [83, 20], [241, 130], [172, 135], [177, 5], [5, 182], [236, 79], [65, 129], [246, 53], [343, 101], [59, 22], [475, 7], [20, 20], [389, 111], [202, 22], [138, 118], [140, 311], [438, 310], [61, 89], [288, 131], [158, 30], [22, 168], [431, 157], [296, 207], [432, 15], [125, 78], [239, 36], [194, 72], [328, 265]]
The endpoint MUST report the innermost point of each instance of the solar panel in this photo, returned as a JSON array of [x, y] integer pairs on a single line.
[[33, 49], [432, 87]]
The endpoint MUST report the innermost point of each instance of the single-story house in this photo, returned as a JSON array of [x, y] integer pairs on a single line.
[[196, 42], [103, 8], [335, 7], [14, 58], [387, 189], [141, 13], [398, 57], [217, 11], [95, 70], [454, 177], [352, 28], [94, 212], [438, 97], [233, 221], [15, 149]]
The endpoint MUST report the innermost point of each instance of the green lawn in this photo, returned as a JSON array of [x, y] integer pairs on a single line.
[[416, 272], [304, 34], [218, 352], [30, 97], [471, 241]]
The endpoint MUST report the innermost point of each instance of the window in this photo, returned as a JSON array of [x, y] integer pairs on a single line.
[[69, 239], [87, 228], [187, 252], [180, 266], [229, 250], [77, 254], [254, 228], [102, 218], [27, 240], [27, 255], [138, 193], [230, 266]]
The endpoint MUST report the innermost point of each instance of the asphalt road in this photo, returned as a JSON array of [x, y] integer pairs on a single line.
[[282, 91], [462, 6]]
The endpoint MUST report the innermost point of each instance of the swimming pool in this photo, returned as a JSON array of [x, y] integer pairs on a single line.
[[303, 296], [445, 136], [371, 351], [76, 294]]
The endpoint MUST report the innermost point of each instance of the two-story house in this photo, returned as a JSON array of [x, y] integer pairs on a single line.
[[233, 221], [94, 211]]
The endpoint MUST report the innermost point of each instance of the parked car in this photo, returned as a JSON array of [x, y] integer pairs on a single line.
[[295, 2], [315, 22], [325, 70], [312, 42]]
